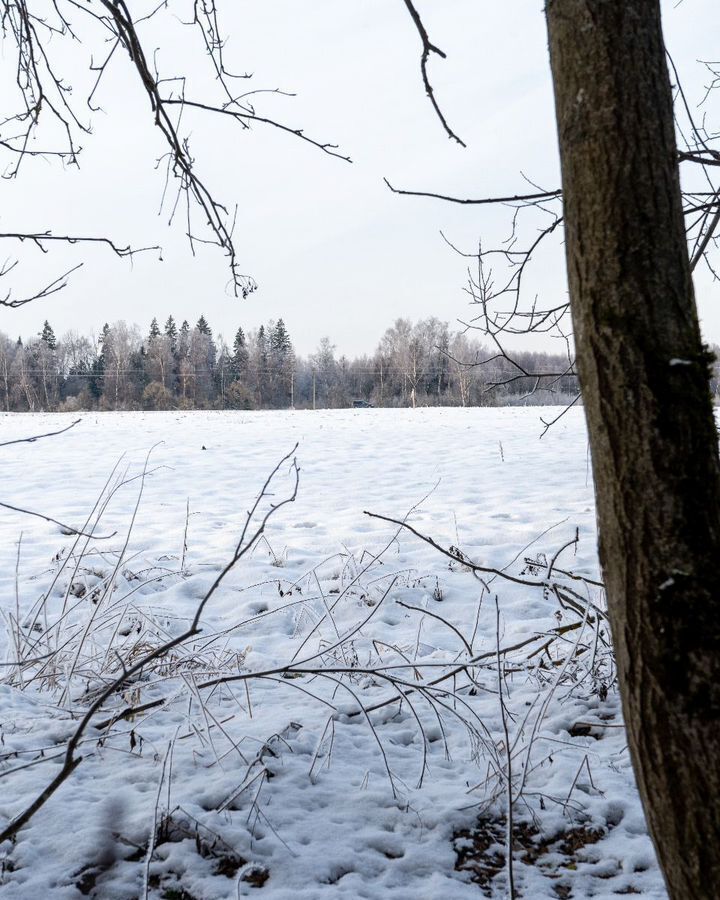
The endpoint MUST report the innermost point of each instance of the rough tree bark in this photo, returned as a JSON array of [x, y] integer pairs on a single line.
[[644, 374]]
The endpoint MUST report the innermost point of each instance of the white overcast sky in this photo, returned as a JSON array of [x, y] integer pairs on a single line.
[[333, 251]]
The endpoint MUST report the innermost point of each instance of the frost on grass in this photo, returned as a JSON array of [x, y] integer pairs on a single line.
[[357, 714]]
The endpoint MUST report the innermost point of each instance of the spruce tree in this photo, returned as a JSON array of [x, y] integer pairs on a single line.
[[261, 365], [96, 382], [280, 343], [154, 331], [182, 357], [262, 348], [281, 359], [203, 327], [183, 341], [105, 335], [48, 336], [239, 361], [171, 331]]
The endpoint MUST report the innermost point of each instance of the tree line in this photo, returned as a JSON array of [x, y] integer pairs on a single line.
[[187, 367]]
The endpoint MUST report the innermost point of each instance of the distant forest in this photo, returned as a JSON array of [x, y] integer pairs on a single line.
[[186, 367]]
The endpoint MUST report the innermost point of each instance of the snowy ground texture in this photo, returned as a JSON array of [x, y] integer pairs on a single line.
[[358, 711]]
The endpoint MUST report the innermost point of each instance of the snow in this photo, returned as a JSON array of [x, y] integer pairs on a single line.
[[280, 783]]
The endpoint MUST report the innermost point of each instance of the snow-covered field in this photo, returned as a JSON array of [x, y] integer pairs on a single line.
[[340, 726]]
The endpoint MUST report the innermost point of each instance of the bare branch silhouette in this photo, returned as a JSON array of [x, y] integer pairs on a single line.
[[427, 48]]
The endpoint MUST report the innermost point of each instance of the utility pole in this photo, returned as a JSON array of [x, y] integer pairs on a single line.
[[313, 388]]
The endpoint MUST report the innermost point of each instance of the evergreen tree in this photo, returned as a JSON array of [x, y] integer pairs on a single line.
[[261, 344], [104, 340], [183, 338], [202, 357], [282, 364], [260, 365], [171, 331], [203, 327], [48, 336], [99, 364], [138, 376], [280, 339], [240, 357], [154, 331], [182, 355]]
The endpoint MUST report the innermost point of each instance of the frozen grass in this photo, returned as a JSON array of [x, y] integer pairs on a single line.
[[347, 710]]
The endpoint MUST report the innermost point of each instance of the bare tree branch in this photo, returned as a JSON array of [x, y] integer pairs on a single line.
[[482, 201], [68, 529], [46, 95], [37, 437], [427, 48]]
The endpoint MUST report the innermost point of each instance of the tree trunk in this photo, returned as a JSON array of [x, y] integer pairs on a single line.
[[645, 380]]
